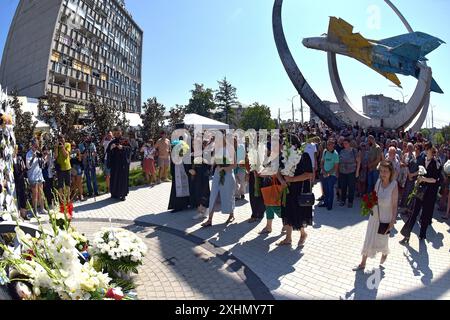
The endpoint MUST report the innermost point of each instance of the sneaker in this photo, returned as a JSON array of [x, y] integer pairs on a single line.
[[350, 204]]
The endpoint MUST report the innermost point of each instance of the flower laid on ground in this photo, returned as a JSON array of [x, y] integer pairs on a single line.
[[369, 201], [413, 194], [118, 250], [50, 267]]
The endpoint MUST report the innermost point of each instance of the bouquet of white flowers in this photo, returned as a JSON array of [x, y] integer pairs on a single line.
[[447, 168], [48, 268], [117, 250]]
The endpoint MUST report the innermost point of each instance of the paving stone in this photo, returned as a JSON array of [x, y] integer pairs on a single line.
[[332, 250]]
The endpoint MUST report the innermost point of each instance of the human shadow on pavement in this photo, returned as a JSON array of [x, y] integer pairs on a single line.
[[337, 218], [269, 265], [419, 262], [96, 205], [366, 285]]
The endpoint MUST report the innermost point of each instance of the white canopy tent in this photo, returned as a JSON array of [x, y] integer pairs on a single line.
[[134, 118], [203, 123]]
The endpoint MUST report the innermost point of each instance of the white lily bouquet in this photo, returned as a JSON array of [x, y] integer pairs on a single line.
[[48, 268], [447, 168], [291, 157], [117, 250], [419, 190]]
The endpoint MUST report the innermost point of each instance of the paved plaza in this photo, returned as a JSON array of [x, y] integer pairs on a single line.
[[234, 262]]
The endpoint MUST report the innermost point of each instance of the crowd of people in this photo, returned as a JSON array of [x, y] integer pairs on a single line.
[[346, 165], [43, 173]]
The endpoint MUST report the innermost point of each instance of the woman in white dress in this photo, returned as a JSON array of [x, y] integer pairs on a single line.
[[383, 213], [223, 185]]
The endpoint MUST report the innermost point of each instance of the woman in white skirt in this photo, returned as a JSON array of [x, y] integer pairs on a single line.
[[383, 215], [223, 185]]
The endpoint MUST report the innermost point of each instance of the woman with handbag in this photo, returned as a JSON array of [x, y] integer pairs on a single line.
[[296, 216], [426, 200], [383, 216]]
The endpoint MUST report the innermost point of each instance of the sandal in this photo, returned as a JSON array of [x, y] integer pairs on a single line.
[[206, 224], [359, 267], [284, 243], [230, 220], [265, 231], [302, 240]]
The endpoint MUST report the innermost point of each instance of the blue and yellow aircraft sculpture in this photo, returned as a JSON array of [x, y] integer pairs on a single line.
[[400, 54]]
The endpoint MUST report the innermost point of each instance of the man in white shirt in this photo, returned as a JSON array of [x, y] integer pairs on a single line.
[[311, 149]]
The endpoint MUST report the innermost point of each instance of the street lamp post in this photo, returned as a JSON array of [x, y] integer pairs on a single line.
[[401, 92], [293, 110]]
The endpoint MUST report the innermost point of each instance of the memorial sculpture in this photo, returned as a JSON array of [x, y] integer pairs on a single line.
[[404, 54]]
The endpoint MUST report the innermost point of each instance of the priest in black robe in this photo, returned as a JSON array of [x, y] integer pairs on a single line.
[[180, 193], [119, 158]]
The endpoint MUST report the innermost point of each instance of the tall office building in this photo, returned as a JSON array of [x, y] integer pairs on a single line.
[[75, 48]]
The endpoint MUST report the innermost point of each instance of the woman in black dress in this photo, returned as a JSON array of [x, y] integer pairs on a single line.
[[19, 179], [200, 173], [431, 180], [295, 217], [256, 199]]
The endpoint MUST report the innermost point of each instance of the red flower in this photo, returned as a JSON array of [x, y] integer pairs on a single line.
[[370, 205], [68, 210], [30, 253], [114, 294], [366, 198]]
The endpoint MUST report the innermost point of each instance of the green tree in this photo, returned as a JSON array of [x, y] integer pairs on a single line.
[[425, 133], [60, 116], [202, 101], [438, 138], [226, 98], [104, 117], [176, 116], [152, 118], [24, 125], [257, 116], [123, 122], [446, 132]]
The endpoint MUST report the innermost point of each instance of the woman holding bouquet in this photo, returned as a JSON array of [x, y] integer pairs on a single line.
[[426, 205], [383, 216], [294, 216], [223, 185]]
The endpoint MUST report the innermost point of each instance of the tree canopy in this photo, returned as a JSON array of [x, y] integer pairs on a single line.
[[257, 116]]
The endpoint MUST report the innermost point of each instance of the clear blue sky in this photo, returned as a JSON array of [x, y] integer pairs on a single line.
[[188, 41]]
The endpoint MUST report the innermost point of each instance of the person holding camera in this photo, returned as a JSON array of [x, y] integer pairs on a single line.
[[35, 162], [63, 166]]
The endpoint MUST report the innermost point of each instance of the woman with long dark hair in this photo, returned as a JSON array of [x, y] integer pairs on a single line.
[[426, 205]]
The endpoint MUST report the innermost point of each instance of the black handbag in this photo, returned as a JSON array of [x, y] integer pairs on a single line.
[[306, 199], [383, 228]]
